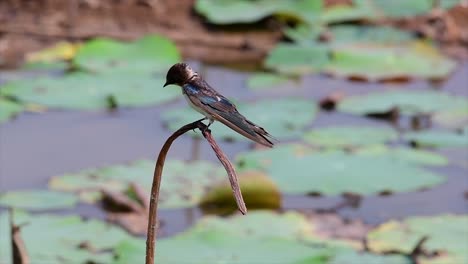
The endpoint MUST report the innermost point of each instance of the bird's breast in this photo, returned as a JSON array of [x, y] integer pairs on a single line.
[[196, 107]]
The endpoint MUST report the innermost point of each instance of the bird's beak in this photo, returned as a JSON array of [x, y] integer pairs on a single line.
[[166, 84]]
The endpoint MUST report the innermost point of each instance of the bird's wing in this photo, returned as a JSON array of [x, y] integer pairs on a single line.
[[226, 112]]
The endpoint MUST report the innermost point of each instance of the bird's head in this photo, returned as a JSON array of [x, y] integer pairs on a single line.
[[179, 74]]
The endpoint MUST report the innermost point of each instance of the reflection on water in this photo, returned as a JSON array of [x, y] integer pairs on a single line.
[[34, 147]]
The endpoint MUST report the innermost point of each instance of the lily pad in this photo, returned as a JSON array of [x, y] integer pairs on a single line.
[[293, 59], [452, 118], [53, 57], [360, 9], [9, 109], [380, 62], [364, 52], [416, 156], [432, 138], [352, 256], [445, 234], [183, 185], [247, 239], [245, 11], [408, 102], [68, 239], [262, 81], [215, 240], [349, 136], [333, 173], [85, 91], [150, 54], [38, 200], [349, 34], [403, 8]]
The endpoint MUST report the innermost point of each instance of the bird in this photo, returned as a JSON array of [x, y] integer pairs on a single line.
[[214, 106]]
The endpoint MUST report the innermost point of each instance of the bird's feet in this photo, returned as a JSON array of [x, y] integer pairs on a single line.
[[207, 128]]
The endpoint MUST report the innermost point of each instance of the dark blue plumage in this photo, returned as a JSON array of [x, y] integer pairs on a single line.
[[204, 99]]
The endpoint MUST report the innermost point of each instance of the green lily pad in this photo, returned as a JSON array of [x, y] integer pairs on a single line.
[[360, 9], [403, 8], [150, 54], [408, 102], [348, 34], [274, 115], [67, 239], [349, 136], [5, 238], [218, 247], [55, 57], [183, 184], [244, 11], [352, 256], [9, 109], [452, 118], [262, 81], [364, 52], [299, 171], [432, 138], [38, 200], [293, 59], [215, 240], [379, 62], [445, 234], [247, 239], [416, 156], [85, 91]]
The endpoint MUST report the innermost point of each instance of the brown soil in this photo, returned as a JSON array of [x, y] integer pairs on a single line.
[[28, 25]]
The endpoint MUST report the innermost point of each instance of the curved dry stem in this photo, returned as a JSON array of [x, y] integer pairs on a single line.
[[154, 198], [229, 169]]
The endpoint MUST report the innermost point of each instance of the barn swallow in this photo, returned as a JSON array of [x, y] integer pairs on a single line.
[[205, 100]]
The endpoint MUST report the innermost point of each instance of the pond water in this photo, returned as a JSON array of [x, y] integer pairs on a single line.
[[34, 147]]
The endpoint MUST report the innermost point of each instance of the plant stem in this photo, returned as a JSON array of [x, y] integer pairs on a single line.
[[154, 198]]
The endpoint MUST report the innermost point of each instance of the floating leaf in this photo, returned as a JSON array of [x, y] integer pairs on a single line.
[[53, 57], [295, 59], [349, 136], [247, 239], [265, 80], [5, 238], [216, 240], [408, 102], [85, 91], [244, 11], [438, 138], [452, 118], [37, 200], [352, 256], [299, 171], [380, 62], [350, 34], [403, 8], [183, 186], [364, 52], [9, 109], [67, 239], [416, 156], [359, 9], [273, 115], [445, 234], [150, 54]]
